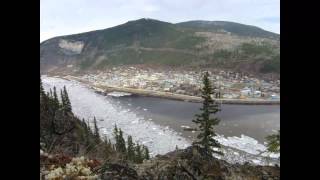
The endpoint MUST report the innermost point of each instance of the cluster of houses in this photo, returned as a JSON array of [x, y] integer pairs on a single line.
[[229, 84]]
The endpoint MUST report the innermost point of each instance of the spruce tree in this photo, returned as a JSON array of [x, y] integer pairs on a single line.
[[107, 148], [56, 102], [96, 131], [146, 153], [68, 107], [138, 158], [116, 136], [44, 99], [42, 93], [63, 103], [273, 143], [51, 96], [205, 122], [85, 129], [88, 126], [109, 142], [84, 125], [122, 143], [130, 149]]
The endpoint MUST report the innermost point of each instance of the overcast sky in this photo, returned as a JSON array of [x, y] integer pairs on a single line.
[[63, 17]]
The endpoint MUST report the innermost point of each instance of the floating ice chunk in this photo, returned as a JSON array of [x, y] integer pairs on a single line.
[[103, 131], [183, 126], [271, 155], [134, 122], [216, 149], [145, 109], [256, 161], [244, 143], [274, 155], [218, 157], [118, 94]]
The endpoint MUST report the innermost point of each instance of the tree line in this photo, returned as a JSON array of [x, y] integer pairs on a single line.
[[62, 131]]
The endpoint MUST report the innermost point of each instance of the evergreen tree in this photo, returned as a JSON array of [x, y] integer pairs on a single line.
[[85, 129], [42, 93], [116, 136], [146, 153], [107, 148], [96, 131], [206, 123], [84, 124], [56, 102], [88, 126], [139, 157], [63, 103], [55, 96], [51, 96], [109, 142], [44, 99], [130, 149], [122, 143], [68, 107], [273, 143]]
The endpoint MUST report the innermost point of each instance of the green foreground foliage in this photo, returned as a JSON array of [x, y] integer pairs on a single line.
[[273, 142]]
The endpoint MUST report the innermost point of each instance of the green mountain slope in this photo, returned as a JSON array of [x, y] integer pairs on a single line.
[[232, 27], [147, 41]]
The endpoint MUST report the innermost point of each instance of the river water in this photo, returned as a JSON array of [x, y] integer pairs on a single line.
[[157, 122], [256, 121]]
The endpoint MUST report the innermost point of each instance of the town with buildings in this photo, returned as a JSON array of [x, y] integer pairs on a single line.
[[230, 85]]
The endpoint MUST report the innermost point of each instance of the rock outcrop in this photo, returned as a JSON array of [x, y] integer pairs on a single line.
[[190, 164]]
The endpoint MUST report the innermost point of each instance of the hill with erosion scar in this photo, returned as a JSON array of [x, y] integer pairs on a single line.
[[193, 44]]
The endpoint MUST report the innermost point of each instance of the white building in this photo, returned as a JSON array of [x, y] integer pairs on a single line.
[[257, 93], [246, 92]]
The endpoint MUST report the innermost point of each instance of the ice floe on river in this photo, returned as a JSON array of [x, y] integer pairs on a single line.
[[160, 140], [118, 94]]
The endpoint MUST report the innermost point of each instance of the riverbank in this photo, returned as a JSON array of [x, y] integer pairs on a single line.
[[105, 89], [162, 131]]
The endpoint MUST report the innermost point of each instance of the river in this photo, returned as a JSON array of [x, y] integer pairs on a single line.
[[157, 123], [256, 121]]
